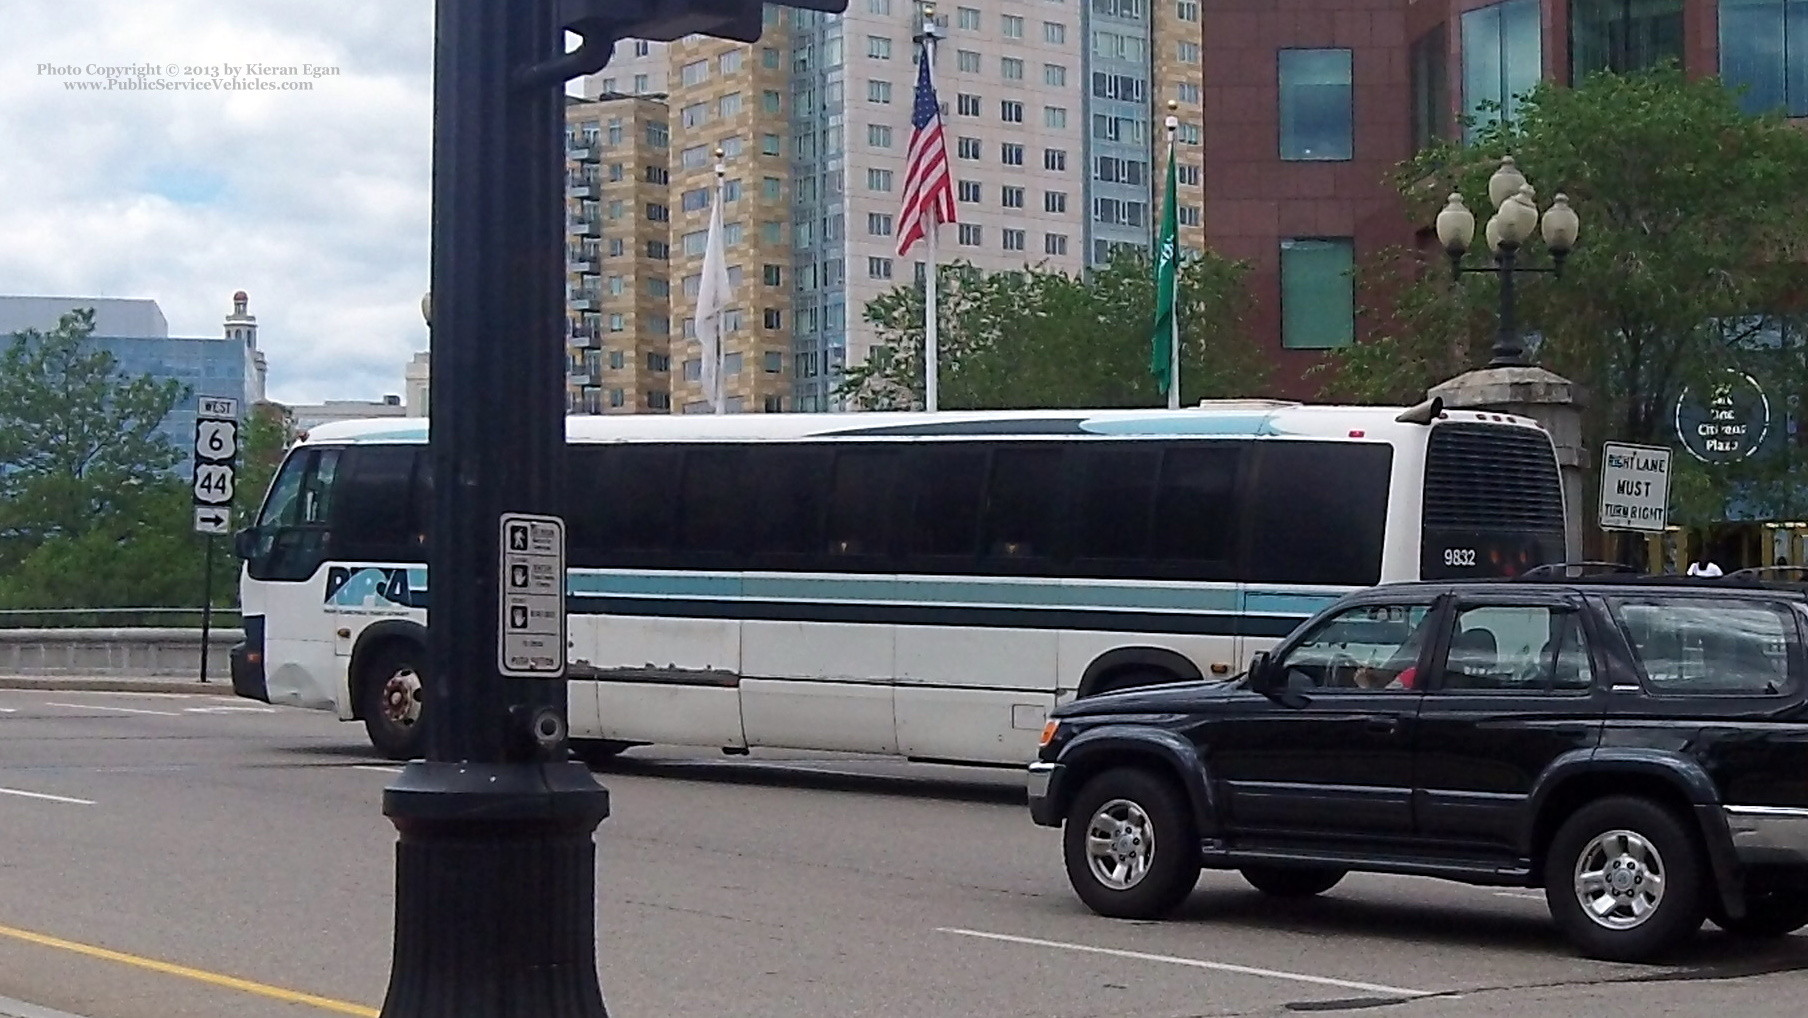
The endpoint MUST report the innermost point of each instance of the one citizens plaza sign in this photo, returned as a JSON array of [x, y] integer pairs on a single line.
[[1725, 421]]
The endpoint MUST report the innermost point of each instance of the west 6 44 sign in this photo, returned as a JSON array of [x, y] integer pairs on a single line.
[[216, 453]]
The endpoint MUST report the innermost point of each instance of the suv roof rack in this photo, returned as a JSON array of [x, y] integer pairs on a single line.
[[1574, 570], [1771, 574], [1757, 577]]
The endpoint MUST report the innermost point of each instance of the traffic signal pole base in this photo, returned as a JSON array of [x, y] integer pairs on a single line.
[[495, 891]]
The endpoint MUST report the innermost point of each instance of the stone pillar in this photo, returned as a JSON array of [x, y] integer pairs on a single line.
[[1551, 400]]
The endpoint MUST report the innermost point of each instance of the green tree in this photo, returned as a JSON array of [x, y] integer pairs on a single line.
[[1039, 338], [1693, 242], [91, 513], [78, 438], [139, 554]]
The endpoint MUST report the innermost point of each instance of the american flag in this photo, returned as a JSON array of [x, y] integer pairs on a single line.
[[928, 187]]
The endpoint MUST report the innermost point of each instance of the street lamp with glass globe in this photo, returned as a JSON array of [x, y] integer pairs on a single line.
[[1515, 218]]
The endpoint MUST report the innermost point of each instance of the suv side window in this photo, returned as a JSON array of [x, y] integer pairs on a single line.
[[1706, 646], [1511, 648], [1368, 647]]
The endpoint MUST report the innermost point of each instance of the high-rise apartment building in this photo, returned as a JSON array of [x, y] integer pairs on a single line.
[[727, 105], [1052, 111], [618, 256], [1176, 56], [636, 67]]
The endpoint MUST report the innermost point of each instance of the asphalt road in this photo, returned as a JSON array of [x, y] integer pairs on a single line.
[[155, 850]]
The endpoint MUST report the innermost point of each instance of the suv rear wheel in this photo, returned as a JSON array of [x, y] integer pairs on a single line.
[[1624, 879], [1129, 845], [1292, 881]]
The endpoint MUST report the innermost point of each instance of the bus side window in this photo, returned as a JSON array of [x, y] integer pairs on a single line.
[[1319, 512], [947, 481], [860, 509], [788, 504], [1113, 500], [626, 502], [1023, 509], [712, 506], [372, 517], [1197, 512], [420, 495]]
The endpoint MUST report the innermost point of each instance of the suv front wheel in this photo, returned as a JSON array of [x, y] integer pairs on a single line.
[[1624, 879], [1129, 845]]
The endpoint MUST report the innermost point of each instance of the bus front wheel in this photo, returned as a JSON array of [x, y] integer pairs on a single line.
[[392, 697]]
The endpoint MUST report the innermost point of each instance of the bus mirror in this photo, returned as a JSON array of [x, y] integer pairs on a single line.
[[244, 542]]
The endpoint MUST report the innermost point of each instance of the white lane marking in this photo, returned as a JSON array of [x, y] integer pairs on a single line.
[[9, 710], [1216, 966], [21, 793], [129, 692], [376, 767], [229, 710], [20, 1009], [122, 710]]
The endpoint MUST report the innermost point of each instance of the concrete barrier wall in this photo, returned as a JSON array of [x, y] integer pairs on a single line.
[[143, 652]]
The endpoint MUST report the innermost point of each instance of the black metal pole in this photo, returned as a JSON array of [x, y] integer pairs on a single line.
[[1507, 351], [495, 861], [206, 604]]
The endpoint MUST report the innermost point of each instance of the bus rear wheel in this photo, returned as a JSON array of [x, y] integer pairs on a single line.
[[392, 695]]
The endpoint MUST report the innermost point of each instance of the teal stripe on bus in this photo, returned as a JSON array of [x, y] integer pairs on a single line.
[[906, 590], [1054, 593]]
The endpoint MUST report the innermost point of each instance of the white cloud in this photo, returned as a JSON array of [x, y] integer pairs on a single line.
[[315, 202]]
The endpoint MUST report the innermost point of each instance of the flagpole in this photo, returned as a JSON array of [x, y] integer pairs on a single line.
[[715, 397], [1173, 124], [931, 317]]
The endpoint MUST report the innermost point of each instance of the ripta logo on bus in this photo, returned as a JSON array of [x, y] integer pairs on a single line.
[[377, 588]]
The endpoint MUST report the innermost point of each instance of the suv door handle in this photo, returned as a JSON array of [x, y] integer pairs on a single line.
[[1386, 725]]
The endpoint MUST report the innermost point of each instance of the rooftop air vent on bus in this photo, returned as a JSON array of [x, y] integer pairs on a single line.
[[1424, 413]]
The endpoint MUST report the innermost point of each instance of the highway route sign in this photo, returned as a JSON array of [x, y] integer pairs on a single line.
[[213, 519], [530, 634], [215, 475]]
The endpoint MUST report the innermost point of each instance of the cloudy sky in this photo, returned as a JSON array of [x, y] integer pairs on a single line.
[[314, 202]]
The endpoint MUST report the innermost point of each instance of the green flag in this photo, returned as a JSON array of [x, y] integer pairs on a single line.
[[1167, 279]]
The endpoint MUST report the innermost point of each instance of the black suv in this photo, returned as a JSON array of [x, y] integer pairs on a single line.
[[1638, 747]]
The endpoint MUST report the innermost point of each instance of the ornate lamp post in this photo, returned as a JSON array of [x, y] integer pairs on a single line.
[[1515, 217]]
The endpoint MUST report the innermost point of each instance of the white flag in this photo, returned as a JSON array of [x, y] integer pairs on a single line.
[[712, 299]]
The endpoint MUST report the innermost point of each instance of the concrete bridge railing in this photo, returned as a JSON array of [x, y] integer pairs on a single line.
[[138, 652]]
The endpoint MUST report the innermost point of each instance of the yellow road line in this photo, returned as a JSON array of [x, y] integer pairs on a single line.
[[212, 978]]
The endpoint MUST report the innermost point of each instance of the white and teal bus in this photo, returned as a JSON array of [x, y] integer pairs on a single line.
[[926, 586]]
